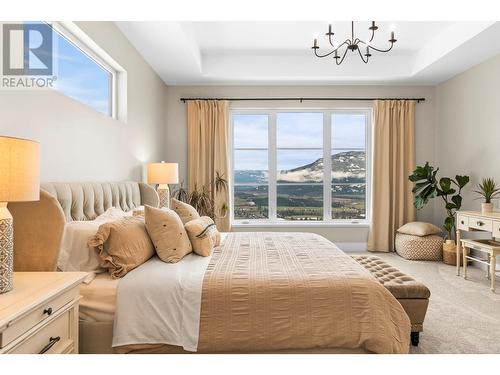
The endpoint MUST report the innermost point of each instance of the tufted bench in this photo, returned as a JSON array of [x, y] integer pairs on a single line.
[[412, 295]]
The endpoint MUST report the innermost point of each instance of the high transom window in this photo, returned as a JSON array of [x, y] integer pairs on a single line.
[[300, 166]]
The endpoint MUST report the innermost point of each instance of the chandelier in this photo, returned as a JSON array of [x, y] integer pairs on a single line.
[[354, 44]]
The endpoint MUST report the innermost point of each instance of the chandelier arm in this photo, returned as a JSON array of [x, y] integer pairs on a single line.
[[331, 52], [361, 55], [378, 49], [342, 59], [325, 55], [330, 40], [373, 35], [346, 42]]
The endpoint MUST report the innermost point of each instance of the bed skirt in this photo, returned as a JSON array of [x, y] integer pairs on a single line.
[[96, 338]]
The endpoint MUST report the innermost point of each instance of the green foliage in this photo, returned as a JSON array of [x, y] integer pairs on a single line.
[[203, 198], [427, 187], [487, 189]]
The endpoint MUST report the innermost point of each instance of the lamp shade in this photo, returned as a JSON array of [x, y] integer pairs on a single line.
[[19, 170], [163, 173]]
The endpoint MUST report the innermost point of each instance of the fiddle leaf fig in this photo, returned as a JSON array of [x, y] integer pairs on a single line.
[[451, 206], [462, 180], [457, 199], [449, 223], [427, 187], [445, 184]]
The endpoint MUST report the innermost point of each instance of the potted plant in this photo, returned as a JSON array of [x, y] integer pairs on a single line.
[[203, 199], [488, 190], [427, 187]]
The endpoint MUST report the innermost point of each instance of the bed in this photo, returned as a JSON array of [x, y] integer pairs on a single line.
[[258, 292]]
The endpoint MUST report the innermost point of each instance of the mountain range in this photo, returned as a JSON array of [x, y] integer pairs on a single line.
[[348, 166]]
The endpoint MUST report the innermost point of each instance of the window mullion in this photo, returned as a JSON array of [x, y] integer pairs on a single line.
[[327, 166], [272, 165]]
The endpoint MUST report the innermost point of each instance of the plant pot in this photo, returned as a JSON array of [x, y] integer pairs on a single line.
[[450, 253], [486, 208]]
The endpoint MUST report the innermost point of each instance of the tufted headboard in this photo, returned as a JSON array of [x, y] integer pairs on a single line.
[[39, 226], [87, 200]]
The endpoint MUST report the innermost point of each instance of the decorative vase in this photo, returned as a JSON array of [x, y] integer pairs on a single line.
[[486, 208]]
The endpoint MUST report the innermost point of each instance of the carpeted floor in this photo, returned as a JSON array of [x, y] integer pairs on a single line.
[[463, 315]]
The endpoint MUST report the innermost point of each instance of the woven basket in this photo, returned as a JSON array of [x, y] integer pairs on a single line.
[[450, 254], [419, 247]]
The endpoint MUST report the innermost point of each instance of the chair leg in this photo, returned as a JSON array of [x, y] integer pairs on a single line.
[[415, 338]]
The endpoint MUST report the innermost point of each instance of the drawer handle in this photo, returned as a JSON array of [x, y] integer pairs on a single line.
[[52, 342], [48, 311], [479, 223], [462, 222]]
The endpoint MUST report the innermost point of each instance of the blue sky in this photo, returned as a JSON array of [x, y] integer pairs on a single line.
[[79, 77], [294, 130]]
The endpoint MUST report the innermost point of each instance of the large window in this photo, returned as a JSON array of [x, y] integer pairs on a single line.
[[300, 166]]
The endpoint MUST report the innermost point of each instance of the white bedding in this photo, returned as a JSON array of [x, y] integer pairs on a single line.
[[74, 254], [160, 303]]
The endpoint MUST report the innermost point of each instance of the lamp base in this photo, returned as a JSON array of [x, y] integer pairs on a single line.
[[164, 195], [6, 249]]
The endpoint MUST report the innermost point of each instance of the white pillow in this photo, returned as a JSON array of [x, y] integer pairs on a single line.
[[74, 254]]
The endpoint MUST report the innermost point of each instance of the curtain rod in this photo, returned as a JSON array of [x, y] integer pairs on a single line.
[[302, 99]]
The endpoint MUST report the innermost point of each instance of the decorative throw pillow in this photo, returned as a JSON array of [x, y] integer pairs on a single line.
[[122, 245], [203, 235], [418, 228], [74, 252], [185, 211], [167, 232]]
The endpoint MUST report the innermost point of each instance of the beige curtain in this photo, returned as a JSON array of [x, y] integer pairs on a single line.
[[393, 162], [208, 149]]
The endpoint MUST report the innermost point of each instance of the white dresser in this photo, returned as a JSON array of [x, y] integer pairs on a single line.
[[40, 315], [477, 221]]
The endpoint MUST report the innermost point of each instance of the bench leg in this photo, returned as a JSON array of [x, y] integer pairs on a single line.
[[415, 338]]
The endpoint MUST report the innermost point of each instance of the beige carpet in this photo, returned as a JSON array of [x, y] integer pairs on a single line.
[[463, 315]]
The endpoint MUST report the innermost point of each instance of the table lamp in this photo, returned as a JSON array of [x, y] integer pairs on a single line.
[[19, 182], [163, 174]]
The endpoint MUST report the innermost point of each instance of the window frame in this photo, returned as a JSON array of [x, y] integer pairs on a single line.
[[327, 172], [82, 42]]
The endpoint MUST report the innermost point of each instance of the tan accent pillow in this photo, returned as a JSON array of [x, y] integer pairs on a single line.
[[418, 228], [185, 211], [122, 245], [203, 235], [167, 232]]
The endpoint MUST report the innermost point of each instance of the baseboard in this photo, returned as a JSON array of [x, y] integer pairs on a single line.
[[351, 247]]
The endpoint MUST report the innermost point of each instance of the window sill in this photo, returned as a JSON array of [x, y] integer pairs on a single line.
[[293, 224]]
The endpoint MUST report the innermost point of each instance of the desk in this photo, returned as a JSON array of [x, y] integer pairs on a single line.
[[476, 221]]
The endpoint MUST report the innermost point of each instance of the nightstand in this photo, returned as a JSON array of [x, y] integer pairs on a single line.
[[40, 315]]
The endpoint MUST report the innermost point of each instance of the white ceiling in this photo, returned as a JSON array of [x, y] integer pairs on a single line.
[[203, 53]]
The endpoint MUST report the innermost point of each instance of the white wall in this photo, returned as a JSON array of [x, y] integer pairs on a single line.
[[176, 137], [79, 144], [468, 129]]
